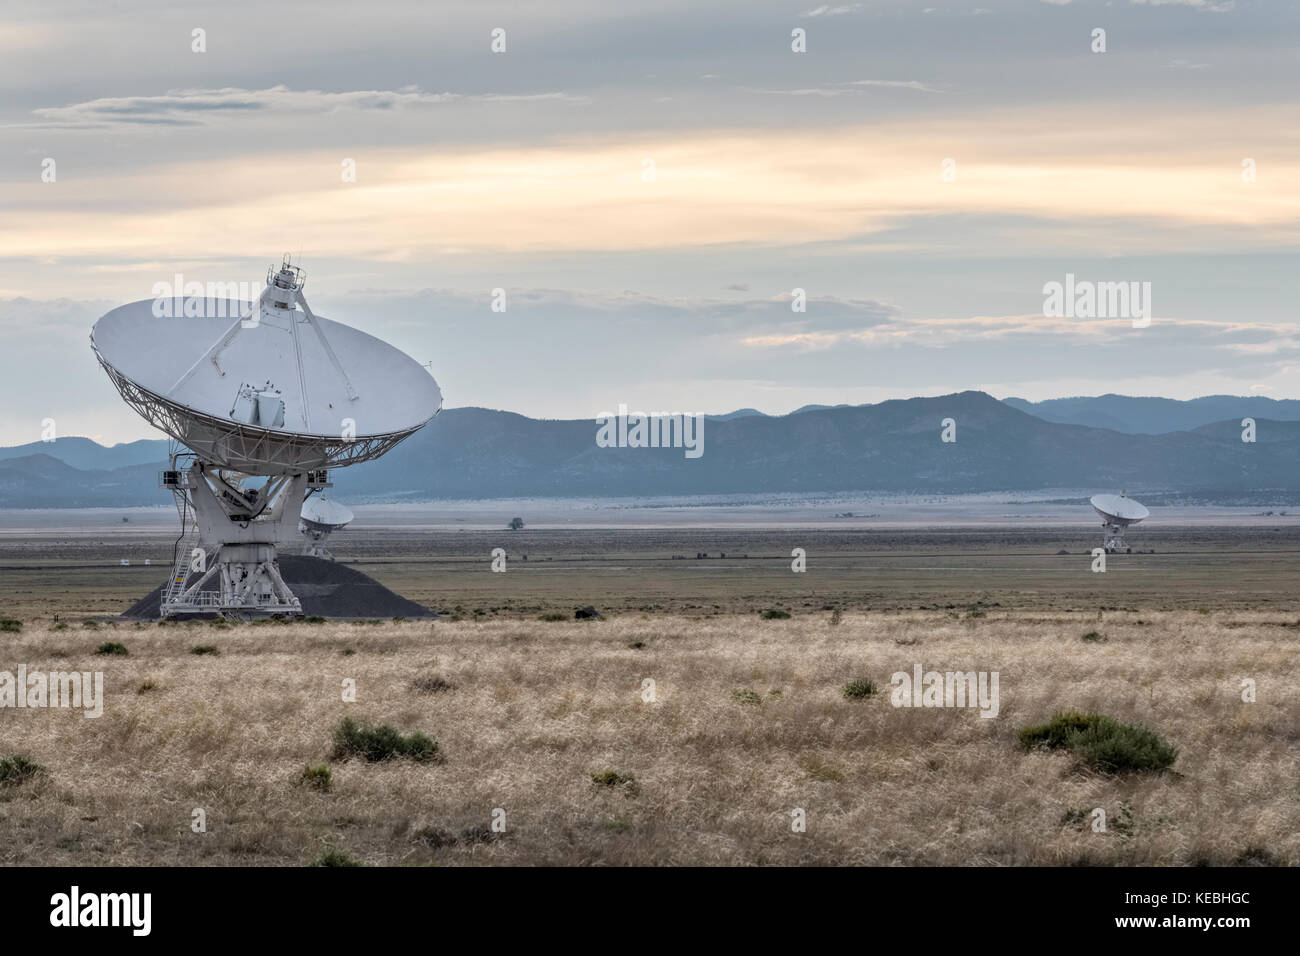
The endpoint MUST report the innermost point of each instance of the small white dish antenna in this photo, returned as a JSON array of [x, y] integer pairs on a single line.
[[320, 517], [1117, 512]]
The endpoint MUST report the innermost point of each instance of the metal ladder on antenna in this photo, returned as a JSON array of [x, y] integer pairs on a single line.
[[176, 583]]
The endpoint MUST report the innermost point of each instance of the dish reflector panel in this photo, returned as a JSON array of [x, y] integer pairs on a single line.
[[261, 389], [326, 512], [1119, 508]]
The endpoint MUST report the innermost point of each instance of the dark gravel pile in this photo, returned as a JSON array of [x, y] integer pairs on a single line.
[[325, 588]]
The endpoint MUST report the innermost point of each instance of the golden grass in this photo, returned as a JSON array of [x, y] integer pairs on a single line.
[[535, 708]]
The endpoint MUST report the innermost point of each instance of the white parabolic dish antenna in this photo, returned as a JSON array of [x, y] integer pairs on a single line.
[[1117, 513], [266, 388], [325, 513], [320, 516], [347, 396]]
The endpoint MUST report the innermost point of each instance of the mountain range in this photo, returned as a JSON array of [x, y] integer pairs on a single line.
[[893, 446]]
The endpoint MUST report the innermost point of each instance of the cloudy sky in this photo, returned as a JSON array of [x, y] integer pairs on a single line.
[[529, 170]]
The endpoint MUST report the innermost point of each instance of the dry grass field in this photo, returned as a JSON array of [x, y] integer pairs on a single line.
[[532, 709]]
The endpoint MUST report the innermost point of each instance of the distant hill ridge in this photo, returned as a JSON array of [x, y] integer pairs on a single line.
[[1157, 416], [892, 446]]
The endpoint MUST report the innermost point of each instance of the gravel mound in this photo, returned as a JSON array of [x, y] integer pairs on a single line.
[[325, 588]]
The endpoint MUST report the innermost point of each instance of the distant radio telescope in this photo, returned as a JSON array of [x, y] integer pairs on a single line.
[[1117, 513], [320, 516], [265, 396]]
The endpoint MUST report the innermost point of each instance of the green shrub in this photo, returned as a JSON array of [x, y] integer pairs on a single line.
[[774, 614], [636, 645], [352, 739], [202, 649], [1102, 743], [317, 776], [1093, 637], [313, 619], [746, 696], [860, 689], [552, 616], [112, 648], [1056, 733], [613, 778], [10, 625], [18, 769], [333, 856]]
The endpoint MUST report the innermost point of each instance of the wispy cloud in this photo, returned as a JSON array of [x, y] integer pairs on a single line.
[[739, 187], [192, 107], [1206, 5], [849, 87], [828, 10]]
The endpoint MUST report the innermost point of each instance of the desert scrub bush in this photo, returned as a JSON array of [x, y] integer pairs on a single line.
[[352, 739], [746, 696], [313, 619], [202, 649], [112, 649], [18, 769], [836, 616], [552, 616], [1076, 818], [431, 685], [333, 856], [10, 625], [1102, 743], [611, 779], [860, 689], [1093, 637], [774, 614], [317, 777], [636, 645]]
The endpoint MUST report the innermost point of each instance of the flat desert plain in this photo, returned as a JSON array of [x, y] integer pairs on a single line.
[[683, 727]]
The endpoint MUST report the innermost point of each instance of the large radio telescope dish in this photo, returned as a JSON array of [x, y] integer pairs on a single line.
[[347, 396], [266, 388], [1117, 513]]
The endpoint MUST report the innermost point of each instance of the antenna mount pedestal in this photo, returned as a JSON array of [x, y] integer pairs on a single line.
[[1113, 540], [233, 570]]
